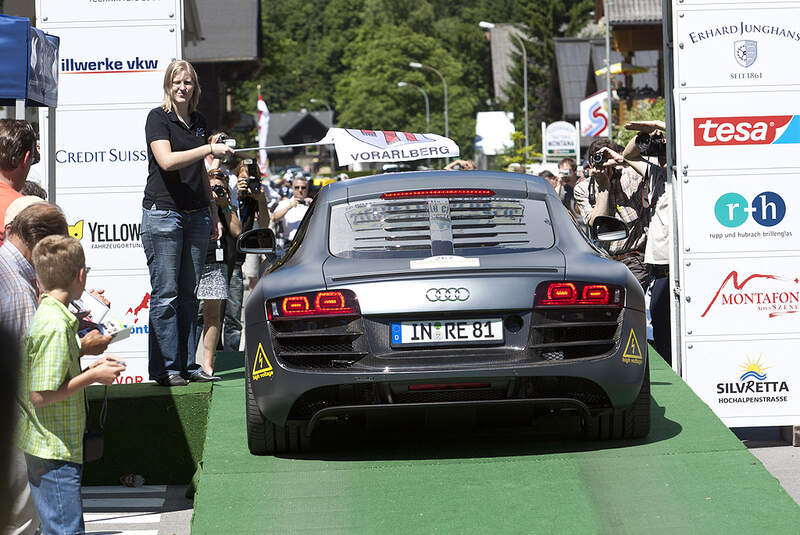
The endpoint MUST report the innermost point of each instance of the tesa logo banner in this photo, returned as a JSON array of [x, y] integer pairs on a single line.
[[758, 130]]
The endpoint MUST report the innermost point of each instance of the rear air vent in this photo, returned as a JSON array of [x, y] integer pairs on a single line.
[[569, 333]]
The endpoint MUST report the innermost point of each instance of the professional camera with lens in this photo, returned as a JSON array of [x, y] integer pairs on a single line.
[[651, 145], [597, 159], [219, 190]]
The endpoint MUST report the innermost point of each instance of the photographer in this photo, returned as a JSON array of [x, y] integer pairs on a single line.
[[648, 153], [213, 287], [617, 190], [254, 208], [291, 211]]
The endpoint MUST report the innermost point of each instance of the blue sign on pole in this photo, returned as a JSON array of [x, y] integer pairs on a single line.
[[28, 63]]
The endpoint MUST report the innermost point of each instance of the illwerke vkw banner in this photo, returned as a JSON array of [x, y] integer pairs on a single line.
[[111, 68]]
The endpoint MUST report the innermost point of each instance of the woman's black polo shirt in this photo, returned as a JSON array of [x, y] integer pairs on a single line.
[[183, 189]]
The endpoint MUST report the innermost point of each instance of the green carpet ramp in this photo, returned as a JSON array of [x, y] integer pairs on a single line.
[[691, 475]]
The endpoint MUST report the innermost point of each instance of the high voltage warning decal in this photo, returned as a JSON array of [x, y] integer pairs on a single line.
[[633, 353], [261, 366]]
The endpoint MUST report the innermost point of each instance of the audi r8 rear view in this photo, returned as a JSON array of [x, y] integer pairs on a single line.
[[442, 289]]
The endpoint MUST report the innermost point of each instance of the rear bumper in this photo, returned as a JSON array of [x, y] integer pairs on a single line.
[[389, 409], [278, 389]]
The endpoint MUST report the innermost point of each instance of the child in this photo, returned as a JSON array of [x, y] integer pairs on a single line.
[[53, 414]]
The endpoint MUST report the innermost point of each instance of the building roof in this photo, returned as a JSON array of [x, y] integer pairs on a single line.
[[221, 31], [634, 12], [287, 127]]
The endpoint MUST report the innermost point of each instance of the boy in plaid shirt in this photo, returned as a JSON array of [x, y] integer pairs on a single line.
[[51, 401]]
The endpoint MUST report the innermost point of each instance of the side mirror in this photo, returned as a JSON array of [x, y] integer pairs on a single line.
[[605, 228], [257, 240]]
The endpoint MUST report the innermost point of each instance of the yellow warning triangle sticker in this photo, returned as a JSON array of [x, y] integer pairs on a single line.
[[633, 353], [261, 364]]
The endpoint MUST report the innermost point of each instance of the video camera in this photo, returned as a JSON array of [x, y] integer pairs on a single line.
[[652, 144]]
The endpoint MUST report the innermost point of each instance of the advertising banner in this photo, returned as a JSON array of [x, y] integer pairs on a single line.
[[738, 47], [561, 139], [110, 232], [111, 71], [737, 134], [94, 11], [736, 214], [353, 146], [740, 297], [756, 130], [752, 382], [127, 69], [101, 157], [594, 115]]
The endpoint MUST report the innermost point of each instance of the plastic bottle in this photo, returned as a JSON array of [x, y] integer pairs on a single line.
[[132, 480]]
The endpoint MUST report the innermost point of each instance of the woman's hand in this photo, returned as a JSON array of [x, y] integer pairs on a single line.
[[221, 150]]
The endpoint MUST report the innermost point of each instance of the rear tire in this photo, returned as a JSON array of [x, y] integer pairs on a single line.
[[633, 422], [266, 438]]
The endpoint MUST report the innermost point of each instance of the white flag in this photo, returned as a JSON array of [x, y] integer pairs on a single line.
[[387, 146], [263, 128]]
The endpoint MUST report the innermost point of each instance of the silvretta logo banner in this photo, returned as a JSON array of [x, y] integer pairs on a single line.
[[753, 386]]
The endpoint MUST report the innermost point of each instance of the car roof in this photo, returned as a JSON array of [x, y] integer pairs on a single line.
[[501, 182]]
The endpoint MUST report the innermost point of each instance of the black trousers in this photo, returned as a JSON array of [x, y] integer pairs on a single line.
[[659, 317]]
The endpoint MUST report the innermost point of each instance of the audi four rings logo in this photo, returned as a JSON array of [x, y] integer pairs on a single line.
[[447, 294]]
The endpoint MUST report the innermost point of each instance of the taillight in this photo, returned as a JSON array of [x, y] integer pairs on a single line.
[[557, 293], [326, 303], [438, 193]]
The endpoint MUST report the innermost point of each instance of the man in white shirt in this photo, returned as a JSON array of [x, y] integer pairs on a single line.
[[291, 211]]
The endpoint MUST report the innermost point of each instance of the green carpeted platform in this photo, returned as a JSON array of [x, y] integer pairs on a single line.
[[151, 430], [690, 476]]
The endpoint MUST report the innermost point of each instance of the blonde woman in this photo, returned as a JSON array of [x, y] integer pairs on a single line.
[[176, 224]]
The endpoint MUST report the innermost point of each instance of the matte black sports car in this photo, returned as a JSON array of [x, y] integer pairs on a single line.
[[441, 289]]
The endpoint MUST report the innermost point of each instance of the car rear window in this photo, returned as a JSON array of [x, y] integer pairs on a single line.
[[423, 227]]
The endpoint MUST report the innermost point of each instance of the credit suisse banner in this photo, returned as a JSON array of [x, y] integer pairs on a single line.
[[737, 141], [111, 69]]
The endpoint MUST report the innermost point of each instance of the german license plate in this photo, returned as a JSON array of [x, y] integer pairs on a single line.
[[447, 332]]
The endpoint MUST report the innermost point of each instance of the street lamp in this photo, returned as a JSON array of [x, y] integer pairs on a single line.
[[488, 26], [427, 104], [418, 65], [330, 112]]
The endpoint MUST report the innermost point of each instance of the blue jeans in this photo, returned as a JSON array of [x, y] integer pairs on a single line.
[[56, 489], [175, 244], [232, 328]]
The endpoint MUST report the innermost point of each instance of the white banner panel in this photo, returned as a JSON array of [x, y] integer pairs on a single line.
[[54, 12], [743, 130], [101, 148], [110, 232], [130, 303], [734, 213], [756, 379], [721, 47], [121, 65], [742, 297]]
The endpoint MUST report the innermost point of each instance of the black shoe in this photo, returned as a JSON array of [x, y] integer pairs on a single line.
[[172, 380], [200, 376]]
